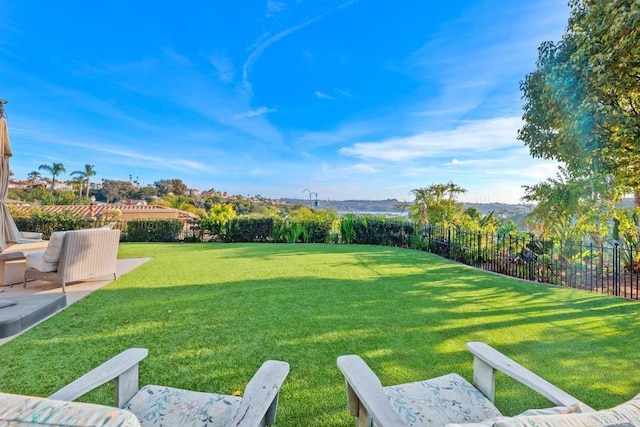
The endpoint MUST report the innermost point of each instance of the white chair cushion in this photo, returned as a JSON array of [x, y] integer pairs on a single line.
[[38, 262], [16, 410], [54, 247], [557, 410], [627, 414], [440, 401], [166, 406]]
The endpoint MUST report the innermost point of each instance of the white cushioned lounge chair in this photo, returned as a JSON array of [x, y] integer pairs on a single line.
[[451, 400], [75, 255]]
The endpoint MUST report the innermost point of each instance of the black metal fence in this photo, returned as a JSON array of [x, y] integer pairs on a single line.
[[608, 269]]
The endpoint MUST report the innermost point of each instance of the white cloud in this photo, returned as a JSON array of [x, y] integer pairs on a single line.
[[344, 93], [321, 95], [257, 112], [224, 67], [365, 168], [477, 136], [275, 7], [267, 40]]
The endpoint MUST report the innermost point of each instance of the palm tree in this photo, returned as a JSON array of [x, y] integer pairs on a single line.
[[55, 170], [85, 176], [423, 198], [34, 176], [436, 200], [79, 182]]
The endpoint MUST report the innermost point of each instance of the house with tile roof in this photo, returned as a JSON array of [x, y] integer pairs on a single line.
[[109, 211]]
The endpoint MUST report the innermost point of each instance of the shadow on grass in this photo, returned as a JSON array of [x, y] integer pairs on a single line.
[[211, 314]]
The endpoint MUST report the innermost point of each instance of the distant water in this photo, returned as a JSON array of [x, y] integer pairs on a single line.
[[378, 213]]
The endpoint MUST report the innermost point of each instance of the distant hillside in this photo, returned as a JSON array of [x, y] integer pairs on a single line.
[[393, 206], [383, 206]]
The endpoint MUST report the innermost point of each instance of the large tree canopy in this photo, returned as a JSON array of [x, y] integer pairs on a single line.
[[582, 103]]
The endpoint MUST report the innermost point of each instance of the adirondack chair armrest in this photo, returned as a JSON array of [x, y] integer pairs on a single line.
[[488, 360], [365, 394], [260, 399], [123, 368]]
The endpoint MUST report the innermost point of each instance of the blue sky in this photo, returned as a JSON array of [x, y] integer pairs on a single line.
[[356, 99]]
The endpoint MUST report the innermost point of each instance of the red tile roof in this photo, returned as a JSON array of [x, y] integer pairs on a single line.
[[108, 209]]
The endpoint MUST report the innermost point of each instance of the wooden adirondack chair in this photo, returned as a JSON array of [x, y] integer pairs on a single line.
[[452, 401], [151, 405]]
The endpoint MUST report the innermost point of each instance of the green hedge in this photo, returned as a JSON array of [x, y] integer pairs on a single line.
[[301, 231], [368, 230], [153, 230], [249, 230], [48, 222]]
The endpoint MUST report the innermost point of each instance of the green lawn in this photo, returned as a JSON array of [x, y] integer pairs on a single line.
[[210, 314]]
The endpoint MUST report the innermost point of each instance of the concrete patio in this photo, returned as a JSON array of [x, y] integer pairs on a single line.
[[75, 292]]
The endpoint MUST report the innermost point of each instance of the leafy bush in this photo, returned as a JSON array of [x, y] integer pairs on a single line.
[[153, 230], [383, 231], [348, 228], [242, 229], [316, 231], [48, 222]]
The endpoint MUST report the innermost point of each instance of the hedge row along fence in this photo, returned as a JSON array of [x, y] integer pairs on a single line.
[[348, 229], [610, 269]]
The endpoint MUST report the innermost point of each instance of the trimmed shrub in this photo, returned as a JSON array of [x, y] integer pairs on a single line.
[[249, 230], [153, 230], [48, 222], [382, 231]]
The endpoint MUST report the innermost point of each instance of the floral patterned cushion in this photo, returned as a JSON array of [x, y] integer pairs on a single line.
[[557, 410], [165, 406], [18, 410], [440, 401], [627, 414]]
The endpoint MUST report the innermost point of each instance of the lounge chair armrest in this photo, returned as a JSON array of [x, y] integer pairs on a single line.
[[122, 368], [488, 360], [260, 399], [365, 394]]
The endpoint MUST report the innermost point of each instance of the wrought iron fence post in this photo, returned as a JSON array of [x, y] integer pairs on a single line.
[[449, 243], [533, 259], [616, 269]]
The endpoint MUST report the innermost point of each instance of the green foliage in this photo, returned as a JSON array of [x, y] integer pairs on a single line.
[[626, 231], [174, 187], [418, 242], [436, 204], [293, 231], [182, 203], [48, 222], [348, 228], [54, 169], [218, 217], [84, 177], [115, 190], [242, 205], [570, 206], [373, 230], [242, 229], [44, 196], [69, 198], [153, 230], [582, 103]]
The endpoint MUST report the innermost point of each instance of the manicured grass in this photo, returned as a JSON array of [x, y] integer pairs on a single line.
[[210, 314]]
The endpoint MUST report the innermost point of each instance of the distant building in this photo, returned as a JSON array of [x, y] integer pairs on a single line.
[[16, 183]]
